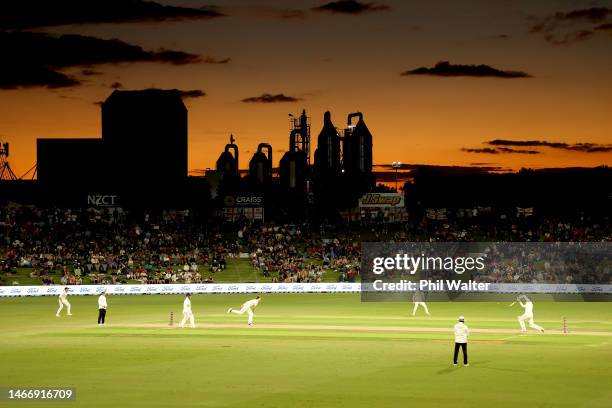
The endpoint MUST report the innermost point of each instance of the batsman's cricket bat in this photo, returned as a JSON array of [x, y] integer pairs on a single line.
[[512, 304]]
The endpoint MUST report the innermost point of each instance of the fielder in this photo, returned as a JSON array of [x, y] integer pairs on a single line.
[[528, 315], [63, 301], [187, 313], [247, 307], [419, 300]]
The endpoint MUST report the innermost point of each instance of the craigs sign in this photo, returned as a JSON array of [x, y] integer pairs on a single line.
[[243, 201], [382, 200]]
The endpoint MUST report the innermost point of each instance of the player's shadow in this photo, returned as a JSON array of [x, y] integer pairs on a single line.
[[447, 370], [477, 364], [459, 366]]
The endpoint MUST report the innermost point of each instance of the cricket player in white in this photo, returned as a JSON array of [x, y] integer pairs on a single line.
[[247, 307], [461, 335], [102, 306], [528, 315], [63, 301], [187, 313], [419, 300]]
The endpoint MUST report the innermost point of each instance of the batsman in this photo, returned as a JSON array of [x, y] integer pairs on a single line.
[[527, 305]]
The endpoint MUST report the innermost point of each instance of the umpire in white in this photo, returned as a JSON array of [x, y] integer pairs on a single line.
[[102, 305], [461, 336]]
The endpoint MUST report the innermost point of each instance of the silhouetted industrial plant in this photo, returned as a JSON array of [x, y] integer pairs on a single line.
[[141, 161], [341, 173]]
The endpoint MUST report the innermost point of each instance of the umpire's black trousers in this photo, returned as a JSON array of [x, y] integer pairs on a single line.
[[101, 316], [464, 349]]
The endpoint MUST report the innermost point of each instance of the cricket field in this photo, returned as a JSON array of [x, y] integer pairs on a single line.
[[306, 350]]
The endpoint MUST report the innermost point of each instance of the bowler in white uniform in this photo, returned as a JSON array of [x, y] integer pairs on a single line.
[[63, 301], [461, 337], [187, 312], [528, 315], [247, 307]]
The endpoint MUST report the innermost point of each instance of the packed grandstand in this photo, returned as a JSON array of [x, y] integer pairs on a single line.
[[114, 245]]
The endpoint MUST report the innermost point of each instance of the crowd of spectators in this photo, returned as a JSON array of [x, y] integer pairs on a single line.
[[107, 245], [112, 245]]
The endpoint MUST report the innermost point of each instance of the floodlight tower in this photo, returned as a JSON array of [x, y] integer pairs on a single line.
[[6, 173], [396, 166]]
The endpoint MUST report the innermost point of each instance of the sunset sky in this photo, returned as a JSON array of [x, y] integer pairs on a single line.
[[543, 97]]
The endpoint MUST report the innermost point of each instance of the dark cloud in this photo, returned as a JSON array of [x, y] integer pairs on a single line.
[[530, 143], [563, 28], [284, 13], [276, 13], [553, 22], [13, 76], [604, 27], [446, 69], [212, 60], [116, 85], [37, 59], [291, 14], [590, 148], [499, 150], [90, 72], [593, 14], [269, 98], [191, 93], [387, 173], [185, 94], [350, 7], [45, 13], [584, 147], [569, 37]]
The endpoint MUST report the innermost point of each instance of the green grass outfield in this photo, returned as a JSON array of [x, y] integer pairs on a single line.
[[308, 350]]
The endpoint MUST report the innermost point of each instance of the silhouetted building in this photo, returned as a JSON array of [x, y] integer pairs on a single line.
[[343, 165], [72, 162], [145, 133], [293, 171], [294, 165], [260, 166], [357, 155], [549, 191], [299, 136], [143, 151], [327, 154], [227, 163]]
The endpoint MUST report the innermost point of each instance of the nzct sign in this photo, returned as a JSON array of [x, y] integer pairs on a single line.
[[100, 200]]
